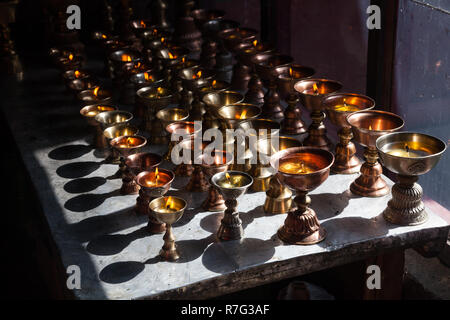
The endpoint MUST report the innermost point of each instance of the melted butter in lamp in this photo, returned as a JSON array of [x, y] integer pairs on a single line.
[[231, 181], [408, 151], [296, 166], [155, 179], [156, 94], [345, 107]]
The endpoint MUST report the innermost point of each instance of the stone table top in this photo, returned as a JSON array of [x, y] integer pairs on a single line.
[[96, 228]]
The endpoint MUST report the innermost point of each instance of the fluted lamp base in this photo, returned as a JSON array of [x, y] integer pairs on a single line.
[[301, 226], [406, 207]]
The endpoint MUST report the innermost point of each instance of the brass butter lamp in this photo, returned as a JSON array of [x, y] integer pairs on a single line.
[[89, 113], [115, 131], [312, 92], [409, 155], [168, 210], [367, 127], [302, 169], [107, 119], [232, 185], [256, 130], [217, 161], [278, 196], [170, 115], [151, 100], [339, 106], [152, 184], [215, 100]]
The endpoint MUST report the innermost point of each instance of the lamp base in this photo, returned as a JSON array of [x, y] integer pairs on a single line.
[[169, 251], [370, 183], [301, 226], [345, 161], [231, 225], [406, 207], [291, 238]]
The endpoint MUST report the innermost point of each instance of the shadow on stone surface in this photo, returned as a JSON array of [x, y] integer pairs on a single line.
[[119, 272], [353, 229], [227, 256], [88, 201], [110, 244], [190, 250], [82, 185], [77, 169], [327, 205], [90, 228], [69, 152]]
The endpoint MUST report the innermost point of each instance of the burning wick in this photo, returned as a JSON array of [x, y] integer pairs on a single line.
[[70, 57], [243, 114], [291, 73], [95, 92], [104, 36], [345, 103], [143, 24], [156, 175], [407, 149], [126, 57], [147, 76], [129, 142], [183, 60], [255, 43], [197, 75], [370, 127], [162, 40], [214, 83], [170, 206], [316, 89], [77, 74], [159, 91], [171, 56], [228, 177]]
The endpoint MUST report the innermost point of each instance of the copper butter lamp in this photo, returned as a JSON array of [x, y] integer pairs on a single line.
[[339, 106], [292, 122], [167, 211], [302, 169], [410, 155], [152, 184], [367, 127], [312, 92], [135, 164]]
